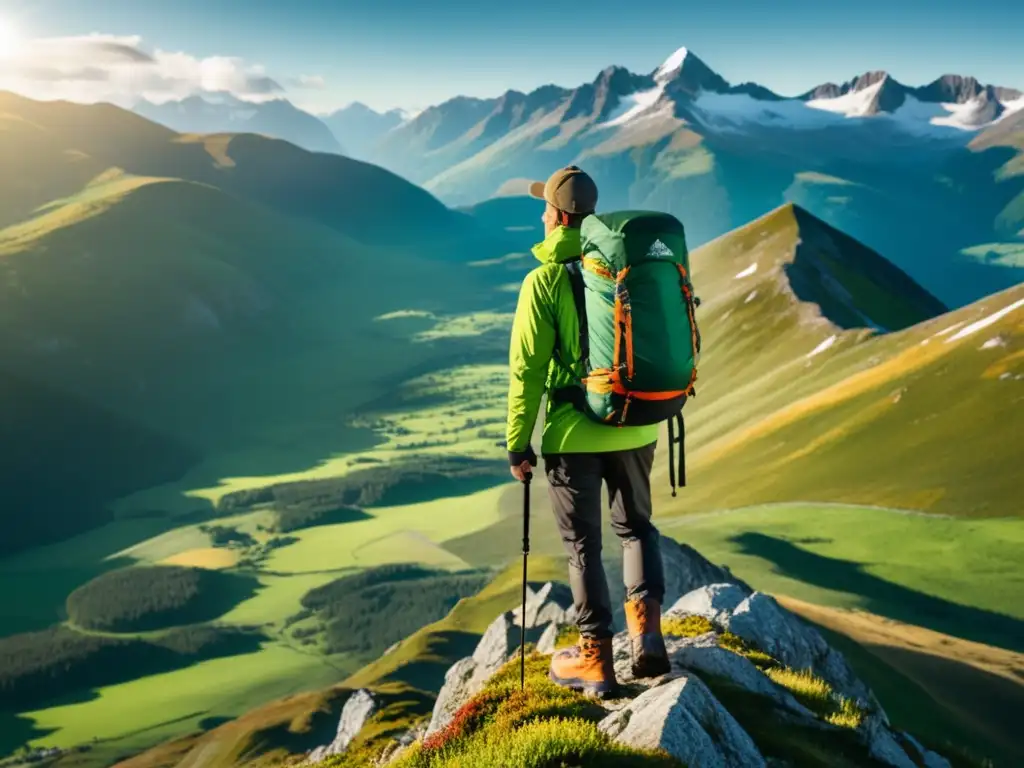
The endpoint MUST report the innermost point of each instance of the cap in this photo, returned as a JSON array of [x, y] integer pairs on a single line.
[[569, 189]]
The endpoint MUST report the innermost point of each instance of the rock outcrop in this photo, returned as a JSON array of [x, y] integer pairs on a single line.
[[684, 718], [359, 708], [726, 643], [547, 608], [757, 617]]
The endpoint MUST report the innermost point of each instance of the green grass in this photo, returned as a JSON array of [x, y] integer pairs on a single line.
[[542, 726], [143, 712], [960, 576]]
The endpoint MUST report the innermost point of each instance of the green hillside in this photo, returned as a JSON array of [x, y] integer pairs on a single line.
[[60, 145], [924, 417], [56, 452]]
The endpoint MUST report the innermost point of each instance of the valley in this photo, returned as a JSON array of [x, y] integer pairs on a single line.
[[310, 401]]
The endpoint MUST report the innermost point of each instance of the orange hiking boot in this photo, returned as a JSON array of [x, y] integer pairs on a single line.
[[586, 667], [646, 643]]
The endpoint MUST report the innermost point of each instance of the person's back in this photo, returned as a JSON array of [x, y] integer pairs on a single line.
[[580, 455]]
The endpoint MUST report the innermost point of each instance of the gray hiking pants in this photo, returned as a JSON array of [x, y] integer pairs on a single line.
[[575, 483]]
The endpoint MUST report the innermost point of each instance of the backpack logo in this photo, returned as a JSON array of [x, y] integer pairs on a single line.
[[659, 250]]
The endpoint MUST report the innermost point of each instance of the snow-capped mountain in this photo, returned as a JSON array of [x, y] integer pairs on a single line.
[[872, 156], [226, 113]]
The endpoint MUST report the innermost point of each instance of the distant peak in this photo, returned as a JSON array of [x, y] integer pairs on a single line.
[[672, 64]]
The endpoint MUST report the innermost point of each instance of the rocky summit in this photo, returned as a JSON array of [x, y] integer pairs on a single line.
[[750, 684]]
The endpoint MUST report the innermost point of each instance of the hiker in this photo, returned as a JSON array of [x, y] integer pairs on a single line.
[[581, 454]]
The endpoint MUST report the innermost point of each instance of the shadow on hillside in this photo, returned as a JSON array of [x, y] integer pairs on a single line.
[[427, 672], [884, 597], [941, 701], [16, 730]]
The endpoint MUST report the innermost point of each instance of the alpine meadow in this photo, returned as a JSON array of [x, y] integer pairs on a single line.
[[261, 351]]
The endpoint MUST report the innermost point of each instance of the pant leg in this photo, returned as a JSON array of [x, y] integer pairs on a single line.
[[628, 474], [575, 483]]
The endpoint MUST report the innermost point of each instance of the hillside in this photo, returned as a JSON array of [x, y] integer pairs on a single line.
[[413, 706], [51, 440], [68, 144], [830, 419], [872, 156]]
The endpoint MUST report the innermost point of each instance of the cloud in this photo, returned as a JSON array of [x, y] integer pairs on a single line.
[[308, 81], [117, 69]]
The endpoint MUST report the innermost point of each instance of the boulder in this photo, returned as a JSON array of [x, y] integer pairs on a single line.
[[359, 708], [920, 754], [684, 718], [547, 606], [758, 618], [882, 744], [685, 570]]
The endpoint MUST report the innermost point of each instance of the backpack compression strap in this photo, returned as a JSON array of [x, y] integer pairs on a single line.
[[672, 440]]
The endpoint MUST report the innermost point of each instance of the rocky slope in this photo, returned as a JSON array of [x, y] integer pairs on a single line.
[[751, 685]]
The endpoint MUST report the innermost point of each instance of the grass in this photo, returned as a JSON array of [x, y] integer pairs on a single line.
[[960, 576], [542, 726], [146, 711]]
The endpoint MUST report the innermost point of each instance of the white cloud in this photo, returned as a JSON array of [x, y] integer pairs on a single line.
[[308, 81], [117, 69]]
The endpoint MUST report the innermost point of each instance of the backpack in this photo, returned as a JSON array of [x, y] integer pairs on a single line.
[[639, 339]]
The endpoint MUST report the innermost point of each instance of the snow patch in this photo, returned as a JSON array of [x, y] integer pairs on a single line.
[[995, 341], [747, 272], [945, 331], [750, 297], [632, 106], [852, 104], [985, 322], [730, 110], [823, 346], [672, 63], [1010, 107]]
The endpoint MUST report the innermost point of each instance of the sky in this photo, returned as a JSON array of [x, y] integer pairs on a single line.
[[324, 54]]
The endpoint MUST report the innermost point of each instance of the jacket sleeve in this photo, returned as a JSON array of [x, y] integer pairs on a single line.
[[533, 342]]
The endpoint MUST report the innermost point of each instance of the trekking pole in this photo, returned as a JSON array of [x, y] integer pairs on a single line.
[[526, 552]]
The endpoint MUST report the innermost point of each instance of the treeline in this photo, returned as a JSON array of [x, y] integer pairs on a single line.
[[39, 667], [145, 598], [307, 515], [370, 611], [408, 482]]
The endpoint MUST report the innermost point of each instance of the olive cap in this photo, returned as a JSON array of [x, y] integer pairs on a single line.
[[569, 189]]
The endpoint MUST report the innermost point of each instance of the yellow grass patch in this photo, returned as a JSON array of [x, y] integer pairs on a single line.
[[211, 558], [882, 375], [216, 146], [1005, 364]]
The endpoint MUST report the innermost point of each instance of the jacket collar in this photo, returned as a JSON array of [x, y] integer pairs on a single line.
[[562, 245]]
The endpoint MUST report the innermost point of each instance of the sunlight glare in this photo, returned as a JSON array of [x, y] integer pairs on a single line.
[[9, 39]]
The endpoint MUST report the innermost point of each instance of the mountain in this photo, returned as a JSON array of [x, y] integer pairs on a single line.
[[59, 147], [360, 127], [449, 694], [865, 367], [220, 291], [873, 157], [225, 113], [799, 321]]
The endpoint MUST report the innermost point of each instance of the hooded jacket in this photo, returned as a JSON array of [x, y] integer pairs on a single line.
[[544, 355]]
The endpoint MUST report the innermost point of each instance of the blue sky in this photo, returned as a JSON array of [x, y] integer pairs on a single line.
[[412, 53]]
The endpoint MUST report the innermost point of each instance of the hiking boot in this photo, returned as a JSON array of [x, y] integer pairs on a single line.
[[586, 667], [646, 643]]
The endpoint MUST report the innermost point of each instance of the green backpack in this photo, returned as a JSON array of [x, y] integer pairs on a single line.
[[638, 334]]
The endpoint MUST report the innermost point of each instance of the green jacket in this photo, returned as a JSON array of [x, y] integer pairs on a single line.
[[545, 318]]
